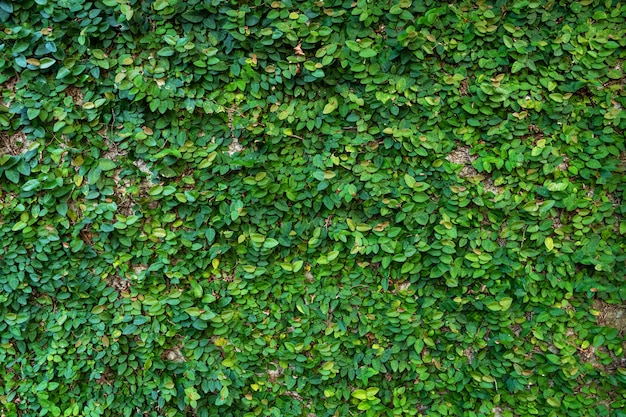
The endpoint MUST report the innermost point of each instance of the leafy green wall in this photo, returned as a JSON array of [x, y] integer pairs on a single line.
[[220, 208]]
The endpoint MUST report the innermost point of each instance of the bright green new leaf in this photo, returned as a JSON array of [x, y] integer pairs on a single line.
[[330, 107]]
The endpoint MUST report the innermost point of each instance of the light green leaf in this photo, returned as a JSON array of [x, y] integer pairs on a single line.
[[106, 164], [359, 394], [494, 306], [19, 226], [505, 303], [353, 45], [46, 62], [330, 107], [297, 266], [270, 243], [410, 181], [368, 53]]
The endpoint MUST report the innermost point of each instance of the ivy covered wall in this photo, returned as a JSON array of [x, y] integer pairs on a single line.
[[400, 208]]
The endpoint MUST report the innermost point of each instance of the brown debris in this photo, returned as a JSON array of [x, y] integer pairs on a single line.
[[611, 315], [16, 144], [10, 84], [76, 94], [461, 156], [118, 283], [563, 166], [234, 146], [298, 49], [174, 354], [464, 87]]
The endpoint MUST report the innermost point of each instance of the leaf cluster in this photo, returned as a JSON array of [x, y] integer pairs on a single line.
[[331, 208]]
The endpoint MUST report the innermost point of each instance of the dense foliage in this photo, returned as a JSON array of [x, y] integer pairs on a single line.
[[221, 208]]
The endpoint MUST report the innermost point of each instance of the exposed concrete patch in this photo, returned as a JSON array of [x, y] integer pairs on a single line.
[[461, 156], [563, 166], [120, 284], [611, 315], [234, 146], [76, 94], [15, 144], [490, 186], [174, 354]]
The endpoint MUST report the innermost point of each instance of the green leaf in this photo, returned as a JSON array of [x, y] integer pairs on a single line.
[[297, 266], [106, 164], [6, 6], [553, 402], [410, 181], [159, 232], [505, 303], [31, 185], [160, 4], [32, 113], [19, 226], [353, 45], [418, 346], [12, 175], [517, 67], [494, 306], [368, 53], [549, 243], [360, 394], [98, 53], [270, 243], [46, 63], [166, 51], [155, 190], [222, 398], [330, 107], [193, 311]]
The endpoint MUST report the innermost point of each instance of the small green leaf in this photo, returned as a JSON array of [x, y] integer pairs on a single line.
[[46, 62], [160, 4], [418, 346], [368, 53], [159, 232], [549, 243], [330, 107], [12, 176], [106, 164], [517, 67], [410, 181], [553, 402], [297, 266], [98, 53], [360, 394], [494, 306], [372, 391], [156, 190], [6, 6], [19, 226], [353, 45], [166, 51], [32, 113], [270, 243], [31, 185], [505, 303]]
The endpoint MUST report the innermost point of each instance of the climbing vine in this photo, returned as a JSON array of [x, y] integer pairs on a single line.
[[318, 208]]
